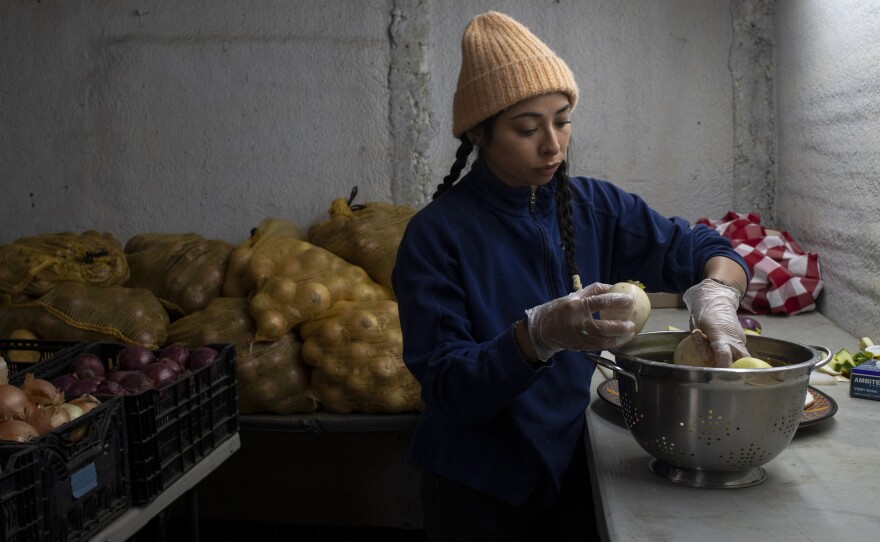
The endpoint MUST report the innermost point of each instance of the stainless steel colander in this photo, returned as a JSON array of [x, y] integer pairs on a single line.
[[709, 427]]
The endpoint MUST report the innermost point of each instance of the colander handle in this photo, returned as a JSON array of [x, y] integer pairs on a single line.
[[823, 361], [611, 366]]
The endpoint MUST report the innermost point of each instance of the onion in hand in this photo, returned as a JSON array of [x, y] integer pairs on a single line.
[[640, 310]]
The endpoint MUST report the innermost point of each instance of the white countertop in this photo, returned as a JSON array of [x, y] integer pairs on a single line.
[[824, 486]]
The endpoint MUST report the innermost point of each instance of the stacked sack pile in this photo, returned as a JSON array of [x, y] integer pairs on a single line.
[[312, 315]]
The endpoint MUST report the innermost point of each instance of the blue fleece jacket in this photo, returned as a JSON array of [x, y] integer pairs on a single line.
[[469, 264]]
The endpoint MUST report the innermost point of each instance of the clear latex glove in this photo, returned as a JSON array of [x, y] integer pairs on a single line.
[[567, 323], [713, 309]]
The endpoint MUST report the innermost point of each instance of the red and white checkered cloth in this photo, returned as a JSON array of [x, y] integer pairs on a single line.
[[785, 279]]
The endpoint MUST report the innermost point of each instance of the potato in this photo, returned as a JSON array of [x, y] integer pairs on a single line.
[[638, 313]]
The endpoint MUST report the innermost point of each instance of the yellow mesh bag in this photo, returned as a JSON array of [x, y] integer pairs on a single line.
[[34, 265], [289, 280], [270, 376], [184, 270], [45, 325], [356, 353], [366, 235], [129, 315]]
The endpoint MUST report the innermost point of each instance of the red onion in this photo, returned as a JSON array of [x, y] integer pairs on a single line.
[[63, 382], [177, 352], [201, 357], [86, 365], [161, 374], [135, 358], [174, 365], [135, 380], [83, 386], [109, 387], [749, 323]]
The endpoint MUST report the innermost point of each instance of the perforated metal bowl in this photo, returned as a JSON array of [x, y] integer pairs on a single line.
[[709, 427]]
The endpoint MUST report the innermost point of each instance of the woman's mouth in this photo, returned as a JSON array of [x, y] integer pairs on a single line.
[[549, 169]]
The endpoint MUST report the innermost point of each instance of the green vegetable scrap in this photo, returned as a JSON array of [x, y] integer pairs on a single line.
[[844, 361]]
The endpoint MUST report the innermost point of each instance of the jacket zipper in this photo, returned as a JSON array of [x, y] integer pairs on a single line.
[[546, 247]]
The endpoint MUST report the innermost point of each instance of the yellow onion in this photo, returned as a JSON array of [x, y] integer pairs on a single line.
[[47, 418], [17, 431], [14, 403], [41, 392]]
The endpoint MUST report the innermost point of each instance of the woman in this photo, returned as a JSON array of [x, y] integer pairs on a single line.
[[494, 316]]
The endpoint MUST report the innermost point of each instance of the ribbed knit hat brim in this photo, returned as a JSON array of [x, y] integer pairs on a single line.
[[502, 64]]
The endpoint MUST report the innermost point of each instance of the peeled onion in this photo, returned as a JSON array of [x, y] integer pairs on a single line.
[[638, 312]]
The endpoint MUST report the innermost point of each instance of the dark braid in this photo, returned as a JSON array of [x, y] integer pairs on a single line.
[[566, 228], [461, 156]]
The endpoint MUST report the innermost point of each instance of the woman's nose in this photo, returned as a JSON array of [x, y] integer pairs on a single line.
[[550, 144]]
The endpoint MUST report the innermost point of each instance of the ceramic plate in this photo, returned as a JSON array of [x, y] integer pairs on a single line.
[[821, 408]]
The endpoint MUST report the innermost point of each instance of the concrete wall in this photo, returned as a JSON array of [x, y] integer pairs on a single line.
[[210, 115], [828, 165]]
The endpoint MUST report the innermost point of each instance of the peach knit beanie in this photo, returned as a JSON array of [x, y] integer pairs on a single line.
[[503, 63]]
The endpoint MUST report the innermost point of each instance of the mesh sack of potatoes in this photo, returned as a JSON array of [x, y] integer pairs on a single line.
[[34, 265], [366, 235], [184, 270], [270, 376], [356, 352], [39, 324], [240, 280], [289, 280], [127, 315]]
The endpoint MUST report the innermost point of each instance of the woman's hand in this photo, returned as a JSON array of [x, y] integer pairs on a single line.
[[713, 309], [567, 323]]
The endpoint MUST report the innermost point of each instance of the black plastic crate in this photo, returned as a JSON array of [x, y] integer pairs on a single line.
[[83, 473], [169, 429], [22, 355], [21, 498]]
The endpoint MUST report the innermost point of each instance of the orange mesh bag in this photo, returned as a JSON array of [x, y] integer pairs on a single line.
[[366, 235], [129, 315], [34, 265], [270, 376], [289, 280], [184, 270], [356, 353]]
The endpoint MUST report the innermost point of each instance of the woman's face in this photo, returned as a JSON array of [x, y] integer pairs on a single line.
[[528, 141]]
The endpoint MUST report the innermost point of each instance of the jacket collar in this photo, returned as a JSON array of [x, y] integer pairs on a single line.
[[505, 198]]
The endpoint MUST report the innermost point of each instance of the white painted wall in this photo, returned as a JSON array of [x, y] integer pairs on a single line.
[[209, 115]]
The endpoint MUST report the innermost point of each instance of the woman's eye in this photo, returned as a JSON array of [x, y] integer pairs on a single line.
[[563, 124], [527, 132]]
